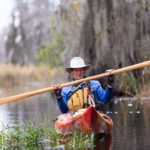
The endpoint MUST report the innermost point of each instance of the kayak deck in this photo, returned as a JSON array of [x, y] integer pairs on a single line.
[[88, 120]]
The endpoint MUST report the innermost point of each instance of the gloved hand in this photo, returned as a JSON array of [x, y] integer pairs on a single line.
[[110, 80], [58, 93]]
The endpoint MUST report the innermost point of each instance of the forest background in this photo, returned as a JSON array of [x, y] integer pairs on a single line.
[[44, 35]]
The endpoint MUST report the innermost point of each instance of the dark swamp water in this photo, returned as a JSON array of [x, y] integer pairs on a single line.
[[131, 119]]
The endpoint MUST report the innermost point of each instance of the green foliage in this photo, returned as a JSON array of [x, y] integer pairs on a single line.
[[34, 135], [30, 135], [51, 51], [63, 34], [77, 140], [128, 84]]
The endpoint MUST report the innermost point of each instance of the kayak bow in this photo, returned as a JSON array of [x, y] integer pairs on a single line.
[[88, 120]]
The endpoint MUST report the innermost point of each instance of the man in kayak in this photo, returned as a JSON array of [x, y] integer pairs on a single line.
[[83, 94]]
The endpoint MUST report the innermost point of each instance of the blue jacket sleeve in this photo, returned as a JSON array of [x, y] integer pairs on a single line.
[[102, 95]]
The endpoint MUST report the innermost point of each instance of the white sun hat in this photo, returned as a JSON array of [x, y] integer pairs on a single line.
[[77, 62]]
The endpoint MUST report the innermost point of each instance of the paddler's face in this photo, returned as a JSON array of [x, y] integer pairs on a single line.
[[78, 73]]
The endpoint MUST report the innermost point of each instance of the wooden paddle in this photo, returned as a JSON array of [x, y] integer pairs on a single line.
[[28, 94]]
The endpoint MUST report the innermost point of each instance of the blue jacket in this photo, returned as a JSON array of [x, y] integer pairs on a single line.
[[103, 95]]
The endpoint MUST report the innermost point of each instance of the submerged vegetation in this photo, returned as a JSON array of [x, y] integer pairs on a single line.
[[34, 135]]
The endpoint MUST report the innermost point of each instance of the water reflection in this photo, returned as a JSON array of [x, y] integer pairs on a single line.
[[131, 124], [39, 108], [104, 142]]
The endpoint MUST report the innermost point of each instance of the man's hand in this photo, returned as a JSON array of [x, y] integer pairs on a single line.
[[110, 78], [58, 91]]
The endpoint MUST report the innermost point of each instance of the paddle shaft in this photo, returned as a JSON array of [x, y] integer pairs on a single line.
[[32, 93]]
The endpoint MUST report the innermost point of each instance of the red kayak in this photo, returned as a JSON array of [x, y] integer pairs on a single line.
[[87, 120]]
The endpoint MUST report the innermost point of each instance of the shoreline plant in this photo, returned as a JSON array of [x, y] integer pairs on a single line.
[[33, 135]]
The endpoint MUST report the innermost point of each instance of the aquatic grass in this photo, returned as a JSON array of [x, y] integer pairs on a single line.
[[34, 135], [81, 140], [76, 140], [29, 135]]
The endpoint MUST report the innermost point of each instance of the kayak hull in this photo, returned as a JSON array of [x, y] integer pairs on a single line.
[[88, 120]]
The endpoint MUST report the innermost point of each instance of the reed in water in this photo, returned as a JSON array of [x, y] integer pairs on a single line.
[[34, 135]]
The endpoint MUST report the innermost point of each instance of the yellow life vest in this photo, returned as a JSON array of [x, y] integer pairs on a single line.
[[78, 99]]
